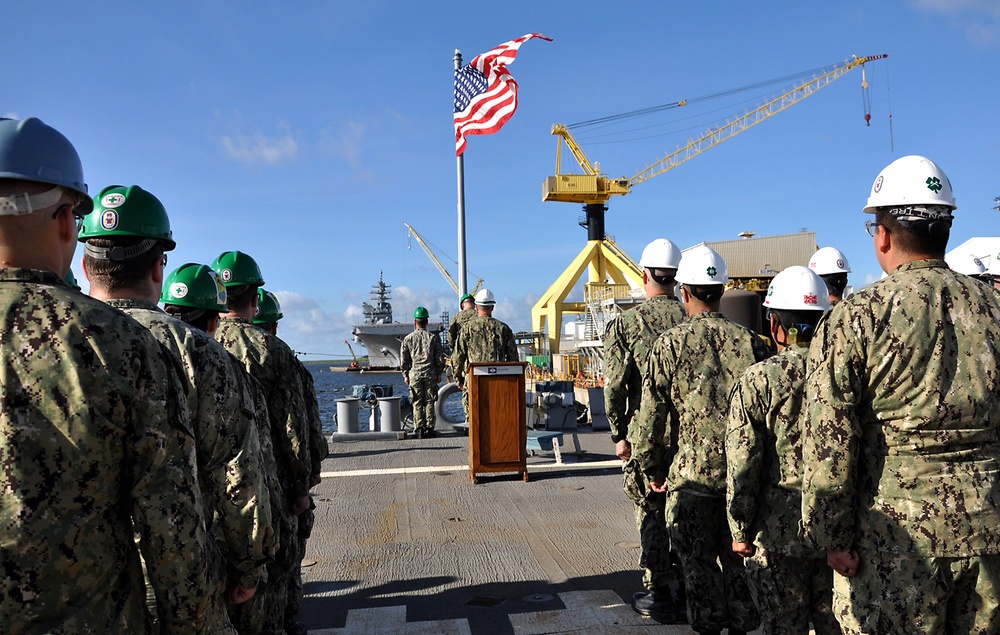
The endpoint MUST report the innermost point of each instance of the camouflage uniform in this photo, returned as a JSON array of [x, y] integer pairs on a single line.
[[626, 350], [680, 437], [230, 470], [319, 449], [902, 452], [457, 323], [273, 364], [482, 339], [422, 362], [790, 581], [94, 440]]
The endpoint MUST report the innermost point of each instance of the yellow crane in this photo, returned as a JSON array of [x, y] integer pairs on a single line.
[[601, 257], [437, 263], [354, 363]]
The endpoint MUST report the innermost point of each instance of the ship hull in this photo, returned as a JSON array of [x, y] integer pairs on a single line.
[[384, 341]]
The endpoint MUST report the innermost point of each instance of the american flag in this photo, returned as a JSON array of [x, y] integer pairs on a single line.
[[485, 93]]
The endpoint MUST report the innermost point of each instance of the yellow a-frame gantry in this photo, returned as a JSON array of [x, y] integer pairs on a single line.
[[602, 259]]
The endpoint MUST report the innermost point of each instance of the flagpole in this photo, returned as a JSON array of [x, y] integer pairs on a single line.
[[462, 281]]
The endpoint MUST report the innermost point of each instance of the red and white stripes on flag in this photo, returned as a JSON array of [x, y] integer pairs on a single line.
[[485, 93]]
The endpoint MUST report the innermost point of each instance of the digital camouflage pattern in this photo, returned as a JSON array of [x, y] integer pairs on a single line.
[[95, 441], [319, 449], [679, 438], [791, 593], [764, 454], [230, 469], [483, 339], [627, 343], [458, 322], [902, 439], [681, 426], [422, 362], [902, 446], [900, 595], [790, 581], [718, 595], [273, 364]]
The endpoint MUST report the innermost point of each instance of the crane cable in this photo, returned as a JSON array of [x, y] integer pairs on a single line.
[[653, 109], [866, 97]]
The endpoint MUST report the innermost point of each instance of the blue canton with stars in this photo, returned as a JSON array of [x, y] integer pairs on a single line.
[[469, 82]]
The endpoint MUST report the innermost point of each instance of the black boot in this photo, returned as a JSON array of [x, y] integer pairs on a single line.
[[656, 604]]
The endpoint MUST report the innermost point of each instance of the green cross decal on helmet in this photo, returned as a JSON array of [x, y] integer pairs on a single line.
[[195, 286], [127, 211]]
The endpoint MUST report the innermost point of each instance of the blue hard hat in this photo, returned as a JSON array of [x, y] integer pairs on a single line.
[[33, 151]]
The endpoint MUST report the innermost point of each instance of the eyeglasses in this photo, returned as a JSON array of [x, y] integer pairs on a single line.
[[78, 217], [164, 261], [870, 226]]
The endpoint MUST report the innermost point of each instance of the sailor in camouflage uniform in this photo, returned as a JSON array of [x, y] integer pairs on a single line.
[[627, 342], [124, 244], [680, 438], [468, 305], [790, 581], [422, 363], [482, 339], [902, 440], [273, 364], [95, 439], [266, 317]]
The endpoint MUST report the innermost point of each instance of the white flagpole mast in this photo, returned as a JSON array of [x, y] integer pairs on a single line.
[[462, 282]]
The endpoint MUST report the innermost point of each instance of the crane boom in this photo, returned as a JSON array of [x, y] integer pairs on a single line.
[[595, 188], [434, 259]]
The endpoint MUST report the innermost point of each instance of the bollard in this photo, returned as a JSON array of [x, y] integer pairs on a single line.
[[347, 415], [390, 411]]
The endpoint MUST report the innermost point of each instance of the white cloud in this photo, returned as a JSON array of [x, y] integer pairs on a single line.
[[259, 148], [346, 143]]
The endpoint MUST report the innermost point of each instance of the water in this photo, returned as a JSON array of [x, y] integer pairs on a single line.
[[334, 385]]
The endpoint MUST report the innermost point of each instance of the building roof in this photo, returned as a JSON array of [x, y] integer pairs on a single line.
[[764, 256]]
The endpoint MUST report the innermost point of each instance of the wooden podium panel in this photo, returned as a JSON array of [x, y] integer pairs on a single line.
[[497, 422]]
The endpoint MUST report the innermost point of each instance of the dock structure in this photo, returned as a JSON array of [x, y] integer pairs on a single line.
[[405, 544]]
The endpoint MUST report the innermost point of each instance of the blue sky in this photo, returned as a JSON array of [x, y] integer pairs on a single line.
[[307, 133]]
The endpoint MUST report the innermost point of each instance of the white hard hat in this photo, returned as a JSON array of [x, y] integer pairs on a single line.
[[964, 262], [829, 260], [660, 254], [911, 181], [797, 288], [485, 298], [702, 265]]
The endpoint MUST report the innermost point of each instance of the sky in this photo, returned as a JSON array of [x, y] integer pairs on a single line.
[[307, 133]]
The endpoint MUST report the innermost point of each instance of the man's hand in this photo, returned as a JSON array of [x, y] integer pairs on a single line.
[[300, 504], [623, 450], [315, 480], [744, 549], [845, 563], [239, 594], [659, 486]]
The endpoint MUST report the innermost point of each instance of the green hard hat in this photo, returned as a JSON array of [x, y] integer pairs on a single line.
[[195, 286], [127, 211], [238, 269], [467, 296], [420, 313], [268, 308]]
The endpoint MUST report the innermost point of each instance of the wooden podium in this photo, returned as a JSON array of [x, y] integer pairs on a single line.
[[497, 421]]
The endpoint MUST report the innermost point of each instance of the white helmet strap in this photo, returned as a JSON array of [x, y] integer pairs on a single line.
[[23, 203]]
